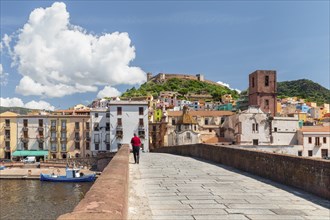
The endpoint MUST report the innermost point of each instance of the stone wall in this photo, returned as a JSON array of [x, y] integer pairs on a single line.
[[108, 197], [308, 174]]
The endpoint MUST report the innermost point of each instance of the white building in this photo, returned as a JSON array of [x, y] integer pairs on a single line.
[[127, 118], [250, 127], [284, 130], [100, 125], [315, 141]]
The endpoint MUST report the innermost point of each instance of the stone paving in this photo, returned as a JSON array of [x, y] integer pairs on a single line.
[[165, 186]]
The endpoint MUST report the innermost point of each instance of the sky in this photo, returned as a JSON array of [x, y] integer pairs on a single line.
[[55, 55]]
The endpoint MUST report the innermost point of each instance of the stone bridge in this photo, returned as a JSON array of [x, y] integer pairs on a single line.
[[208, 182]]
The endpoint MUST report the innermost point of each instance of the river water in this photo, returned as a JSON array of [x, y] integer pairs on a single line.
[[33, 199]]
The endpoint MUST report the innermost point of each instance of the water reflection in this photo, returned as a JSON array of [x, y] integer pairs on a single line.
[[33, 199]]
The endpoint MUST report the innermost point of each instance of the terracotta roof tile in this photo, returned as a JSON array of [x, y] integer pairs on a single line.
[[201, 113], [315, 129]]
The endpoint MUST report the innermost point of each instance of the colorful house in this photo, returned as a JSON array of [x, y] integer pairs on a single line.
[[8, 134]]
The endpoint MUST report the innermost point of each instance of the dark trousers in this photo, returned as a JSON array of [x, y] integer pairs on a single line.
[[136, 153]]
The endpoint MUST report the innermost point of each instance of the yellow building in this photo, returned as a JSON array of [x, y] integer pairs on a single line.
[[278, 107], [8, 134], [302, 116]]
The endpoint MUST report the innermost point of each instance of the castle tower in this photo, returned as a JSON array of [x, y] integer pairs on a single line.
[[149, 76], [262, 90], [200, 77]]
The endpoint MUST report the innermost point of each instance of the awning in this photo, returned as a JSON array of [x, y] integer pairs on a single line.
[[20, 153]]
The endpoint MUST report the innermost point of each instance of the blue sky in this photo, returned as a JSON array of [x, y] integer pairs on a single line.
[[224, 40]]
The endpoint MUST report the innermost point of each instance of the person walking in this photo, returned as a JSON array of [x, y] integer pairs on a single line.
[[136, 143]]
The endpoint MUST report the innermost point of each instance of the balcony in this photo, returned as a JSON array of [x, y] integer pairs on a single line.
[[7, 148], [76, 139], [119, 128], [25, 139], [87, 129], [25, 128], [7, 137], [76, 129], [141, 128], [53, 128], [53, 149], [63, 128], [63, 150], [40, 138], [107, 141], [88, 139], [63, 139], [119, 134], [52, 139], [40, 128], [7, 127]]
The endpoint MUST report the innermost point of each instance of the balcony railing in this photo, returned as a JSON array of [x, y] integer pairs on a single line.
[[53, 139], [7, 137], [76, 139], [119, 128], [63, 128], [53, 128], [87, 128], [7, 148], [53, 149], [63, 139], [88, 139], [106, 141], [7, 127], [141, 128], [40, 128], [63, 149], [25, 139], [76, 129], [25, 128], [40, 138]]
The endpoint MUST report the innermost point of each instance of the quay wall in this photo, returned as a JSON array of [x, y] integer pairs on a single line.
[[108, 197], [309, 174]]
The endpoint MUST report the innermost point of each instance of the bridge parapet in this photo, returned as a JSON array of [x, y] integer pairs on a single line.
[[309, 174], [108, 197]]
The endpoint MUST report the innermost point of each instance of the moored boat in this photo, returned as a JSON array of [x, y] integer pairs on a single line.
[[72, 175]]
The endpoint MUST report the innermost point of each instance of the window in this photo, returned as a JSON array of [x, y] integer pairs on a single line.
[[119, 122], [7, 145], [266, 103], [107, 126], [77, 146], [53, 146], [140, 110], [252, 82], [107, 115], [87, 146], [206, 122], [41, 122], [63, 134], [309, 140], [63, 146], [96, 127], [76, 125], [41, 145], [97, 146], [25, 122], [76, 136], [300, 153], [266, 80], [96, 115], [53, 135], [324, 140], [96, 138], [53, 124], [317, 141], [310, 153], [7, 122], [255, 141], [188, 135], [154, 128], [275, 129], [63, 122], [108, 146], [141, 122], [107, 138], [324, 153], [173, 121], [119, 112], [87, 125], [7, 134], [255, 127]]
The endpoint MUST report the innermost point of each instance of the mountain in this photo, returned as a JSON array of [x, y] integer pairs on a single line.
[[18, 110], [182, 86], [304, 88]]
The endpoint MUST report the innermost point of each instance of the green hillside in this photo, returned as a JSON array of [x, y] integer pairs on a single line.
[[304, 88], [182, 86], [18, 110]]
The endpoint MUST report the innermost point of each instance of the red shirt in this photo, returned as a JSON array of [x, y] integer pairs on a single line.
[[136, 142]]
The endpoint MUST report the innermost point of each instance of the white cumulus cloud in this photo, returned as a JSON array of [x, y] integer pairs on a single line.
[[108, 91], [16, 102], [57, 58], [3, 76], [227, 85]]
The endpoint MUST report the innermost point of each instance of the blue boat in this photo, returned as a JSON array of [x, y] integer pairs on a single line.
[[2, 167], [72, 175]]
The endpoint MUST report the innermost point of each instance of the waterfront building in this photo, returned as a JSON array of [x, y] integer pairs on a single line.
[[100, 121], [8, 134], [284, 130], [127, 118], [262, 90], [32, 131], [315, 141]]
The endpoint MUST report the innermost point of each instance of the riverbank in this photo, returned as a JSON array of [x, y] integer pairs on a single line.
[[33, 172]]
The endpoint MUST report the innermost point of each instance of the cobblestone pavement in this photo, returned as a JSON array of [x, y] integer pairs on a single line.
[[165, 186]]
